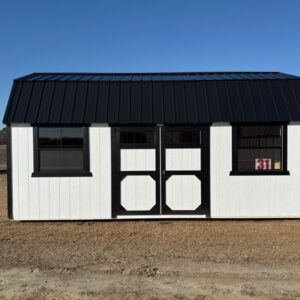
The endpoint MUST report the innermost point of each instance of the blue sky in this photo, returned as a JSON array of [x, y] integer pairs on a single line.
[[146, 36]]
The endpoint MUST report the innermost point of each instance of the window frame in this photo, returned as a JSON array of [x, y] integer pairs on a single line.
[[61, 173], [254, 172]]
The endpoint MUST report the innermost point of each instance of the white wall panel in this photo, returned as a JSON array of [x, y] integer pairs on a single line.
[[183, 192], [138, 192], [253, 196], [44, 197], [34, 203], [54, 199], [64, 196], [183, 159], [104, 169], [138, 160], [61, 198], [22, 156], [15, 174], [75, 198], [90, 197]]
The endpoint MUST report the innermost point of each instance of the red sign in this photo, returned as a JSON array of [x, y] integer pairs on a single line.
[[263, 164]]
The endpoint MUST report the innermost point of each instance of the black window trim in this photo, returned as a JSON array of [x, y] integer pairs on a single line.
[[60, 173], [236, 172]]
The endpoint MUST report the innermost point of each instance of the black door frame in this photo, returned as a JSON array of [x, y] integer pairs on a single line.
[[118, 175], [203, 175], [159, 175]]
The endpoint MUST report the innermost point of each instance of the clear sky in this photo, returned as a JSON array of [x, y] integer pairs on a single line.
[[146, 36]]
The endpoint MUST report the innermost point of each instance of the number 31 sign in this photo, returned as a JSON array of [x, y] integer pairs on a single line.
[[263, 163]]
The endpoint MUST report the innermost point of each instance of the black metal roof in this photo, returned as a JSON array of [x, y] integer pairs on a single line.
[[154, 98], [154, 76]]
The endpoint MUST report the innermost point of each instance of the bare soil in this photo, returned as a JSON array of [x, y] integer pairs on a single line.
[[194, 259], [2, 156]]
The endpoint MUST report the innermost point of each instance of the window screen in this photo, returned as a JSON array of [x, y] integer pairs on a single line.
[[259, 148], [61, 149]]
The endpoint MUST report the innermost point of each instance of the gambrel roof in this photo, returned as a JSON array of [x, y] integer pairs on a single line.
[[154, 98]]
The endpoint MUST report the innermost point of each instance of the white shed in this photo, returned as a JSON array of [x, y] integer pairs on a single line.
[[153, 145]]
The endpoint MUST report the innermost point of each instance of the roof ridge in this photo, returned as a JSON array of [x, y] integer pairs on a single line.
[[176, 76]]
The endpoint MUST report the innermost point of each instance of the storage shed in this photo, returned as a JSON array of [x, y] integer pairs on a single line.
[[154, 145]]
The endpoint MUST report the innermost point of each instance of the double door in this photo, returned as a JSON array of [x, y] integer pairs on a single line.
[[160, 170]]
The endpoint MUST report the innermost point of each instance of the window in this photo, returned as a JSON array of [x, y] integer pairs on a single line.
[[61, 151], [136, 137], [143, 137], [184, 137], [259, 150]]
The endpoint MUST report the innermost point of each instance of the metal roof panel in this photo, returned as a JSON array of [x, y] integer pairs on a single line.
[[147, 98], [125, 98], [136, 102], [45, 104], [102, 102], [23, 102], [91, 102]]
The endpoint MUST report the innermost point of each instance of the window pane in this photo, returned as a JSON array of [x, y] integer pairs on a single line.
[[65, 160], [136, 137], [183, 137], [262, 131], [72, 137], [259, 142], [259, 148], [259, 136], [247, 158], [61, 137], [49, 137]]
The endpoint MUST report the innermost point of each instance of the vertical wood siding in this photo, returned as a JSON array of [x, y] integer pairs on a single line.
[[253, 196], [183, 159], [73, 198], [138, 193], [61, 198], [138, 160], [183, 192]]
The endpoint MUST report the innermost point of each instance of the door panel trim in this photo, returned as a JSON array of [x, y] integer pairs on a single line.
[[118, 175], [202, 175], [160, 175]]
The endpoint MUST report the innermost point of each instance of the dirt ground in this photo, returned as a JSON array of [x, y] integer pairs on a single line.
[[2, 156], [196, 259]]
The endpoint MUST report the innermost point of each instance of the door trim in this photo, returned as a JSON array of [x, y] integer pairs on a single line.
[[203, 174], [118, 175], [159, 175]]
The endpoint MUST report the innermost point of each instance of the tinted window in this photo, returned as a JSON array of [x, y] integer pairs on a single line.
[[72, 137], [259, 137], [249, 159], [137, 137], [259, 148], [65, 137], [49, 137], [183, 137], [61, 160], [61, 149]]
